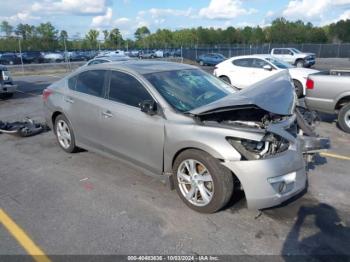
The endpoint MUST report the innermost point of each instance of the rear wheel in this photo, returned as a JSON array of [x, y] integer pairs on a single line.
[[225, 79], [201, 181], [298, 88], [344, 118], [64, 134]]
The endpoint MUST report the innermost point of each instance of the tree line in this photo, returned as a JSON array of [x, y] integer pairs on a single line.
[[46, 37]]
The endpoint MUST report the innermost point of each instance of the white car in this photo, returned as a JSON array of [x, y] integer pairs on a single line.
[[243, 71], [53, 57]]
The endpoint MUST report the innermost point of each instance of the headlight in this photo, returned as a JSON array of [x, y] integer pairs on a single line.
[[6, 75], [271, 144]]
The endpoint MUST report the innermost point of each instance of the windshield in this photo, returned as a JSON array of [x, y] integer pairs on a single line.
[[188, 89], [279, 63], [296, 50]]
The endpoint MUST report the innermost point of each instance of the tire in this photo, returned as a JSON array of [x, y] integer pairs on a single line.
[[63, 122], [299, 90], [201, 63], [344, 118], [300, 63], [218, 181], [225, 79]]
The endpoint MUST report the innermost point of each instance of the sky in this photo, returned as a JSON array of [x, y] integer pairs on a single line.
[[78, 16]]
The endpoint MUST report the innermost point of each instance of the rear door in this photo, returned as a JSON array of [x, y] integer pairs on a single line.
[[83, 105], [127, 132]]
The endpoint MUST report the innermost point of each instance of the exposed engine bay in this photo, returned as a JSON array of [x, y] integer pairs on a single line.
[[253, 118]]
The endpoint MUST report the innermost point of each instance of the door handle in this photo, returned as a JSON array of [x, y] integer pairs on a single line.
[[107, 114], [69, 100]]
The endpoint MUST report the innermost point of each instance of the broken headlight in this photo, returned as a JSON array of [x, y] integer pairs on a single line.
[[270, 145]]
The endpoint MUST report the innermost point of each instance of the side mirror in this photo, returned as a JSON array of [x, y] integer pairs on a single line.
[[267, 67], [149, 107]]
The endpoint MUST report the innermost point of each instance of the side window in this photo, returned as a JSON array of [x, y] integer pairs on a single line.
[[126, 89], [244, 62], [277, 51], [258, 63], [72, 82], [95, 62], [91, 82]]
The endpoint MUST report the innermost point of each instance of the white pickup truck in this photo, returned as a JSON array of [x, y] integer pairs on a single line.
[[294, 56]]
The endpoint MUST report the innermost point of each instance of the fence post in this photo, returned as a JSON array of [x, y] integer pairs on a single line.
[[20, 53], [182, 58], [319, 51], [338, 50], [66, 58]]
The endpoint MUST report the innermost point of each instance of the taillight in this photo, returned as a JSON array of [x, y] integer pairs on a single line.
[[309, 84], [46, 94]]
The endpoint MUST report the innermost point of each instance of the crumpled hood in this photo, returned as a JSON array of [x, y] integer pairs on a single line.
[[274, 94]]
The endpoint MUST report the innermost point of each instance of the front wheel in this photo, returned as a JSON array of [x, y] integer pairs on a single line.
[[201, 181], [344, 118], [64, 134], [300, 63], [201, 63]]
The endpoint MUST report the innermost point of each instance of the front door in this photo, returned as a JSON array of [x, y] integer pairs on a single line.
[[127, 132]]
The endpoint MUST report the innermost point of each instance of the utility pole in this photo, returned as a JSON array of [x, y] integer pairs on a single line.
[[20, 53]]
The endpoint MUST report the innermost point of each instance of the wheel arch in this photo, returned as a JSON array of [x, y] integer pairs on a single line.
[[344, 99]]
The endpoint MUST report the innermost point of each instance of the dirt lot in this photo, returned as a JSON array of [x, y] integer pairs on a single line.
[[87, 204]]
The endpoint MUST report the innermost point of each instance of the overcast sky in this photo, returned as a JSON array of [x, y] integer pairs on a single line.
[[78, 16]]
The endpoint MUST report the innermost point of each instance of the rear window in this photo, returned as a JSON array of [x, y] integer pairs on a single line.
[[244, 62], [91, 82]]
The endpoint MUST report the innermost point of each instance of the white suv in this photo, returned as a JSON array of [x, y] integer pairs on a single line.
[[294, 56]]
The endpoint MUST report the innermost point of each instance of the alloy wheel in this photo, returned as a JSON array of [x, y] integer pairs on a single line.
[[63, 134], [195, 182]]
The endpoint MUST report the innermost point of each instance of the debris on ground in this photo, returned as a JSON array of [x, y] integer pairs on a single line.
[[25, 128]]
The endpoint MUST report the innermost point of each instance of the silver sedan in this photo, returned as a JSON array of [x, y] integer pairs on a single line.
[[185, 126]]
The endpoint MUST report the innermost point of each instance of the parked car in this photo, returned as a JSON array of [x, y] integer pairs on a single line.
[[329, 92], [9, 59], [7, 87], [78, 56], [211, 59], [243, 71], [185, 126], [147, 55], [107, 59], [33, 57], [53, 58], [294, 56]]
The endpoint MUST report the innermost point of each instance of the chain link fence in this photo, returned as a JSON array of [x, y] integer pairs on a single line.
[[67, 52]]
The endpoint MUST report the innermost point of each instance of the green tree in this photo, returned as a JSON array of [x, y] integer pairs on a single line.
[[91, 38], [115, 38], [6, 28], [142, 32]]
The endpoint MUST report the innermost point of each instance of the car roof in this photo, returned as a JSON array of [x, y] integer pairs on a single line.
[[144, 67], [262, 56]]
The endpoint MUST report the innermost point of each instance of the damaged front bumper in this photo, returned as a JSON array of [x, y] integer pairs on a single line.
[[269, 182]]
